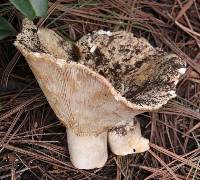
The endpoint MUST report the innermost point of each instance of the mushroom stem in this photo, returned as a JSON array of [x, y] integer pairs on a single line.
[[87, 152], [127, 139]]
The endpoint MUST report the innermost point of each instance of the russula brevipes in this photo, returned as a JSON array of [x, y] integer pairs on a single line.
[[98, 85]]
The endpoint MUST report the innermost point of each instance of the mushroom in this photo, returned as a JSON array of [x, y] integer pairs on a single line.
[[98, 85]]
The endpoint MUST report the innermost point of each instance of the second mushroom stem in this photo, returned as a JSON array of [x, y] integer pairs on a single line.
[[89, 152]]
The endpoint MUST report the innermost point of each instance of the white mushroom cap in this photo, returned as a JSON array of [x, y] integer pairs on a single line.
[[147, 76]]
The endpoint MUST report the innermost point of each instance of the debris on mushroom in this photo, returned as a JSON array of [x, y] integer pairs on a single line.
[[53, 44], [98, 85], [144, 75]]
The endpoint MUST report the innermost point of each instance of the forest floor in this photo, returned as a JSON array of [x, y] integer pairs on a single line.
[[33, 142]]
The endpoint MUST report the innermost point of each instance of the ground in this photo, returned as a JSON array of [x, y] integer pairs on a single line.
[[32, 140]]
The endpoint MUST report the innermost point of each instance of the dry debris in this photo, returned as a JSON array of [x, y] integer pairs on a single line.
[[32, 139]]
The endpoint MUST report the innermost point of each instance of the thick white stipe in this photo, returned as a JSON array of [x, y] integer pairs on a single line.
[[87, 152]]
